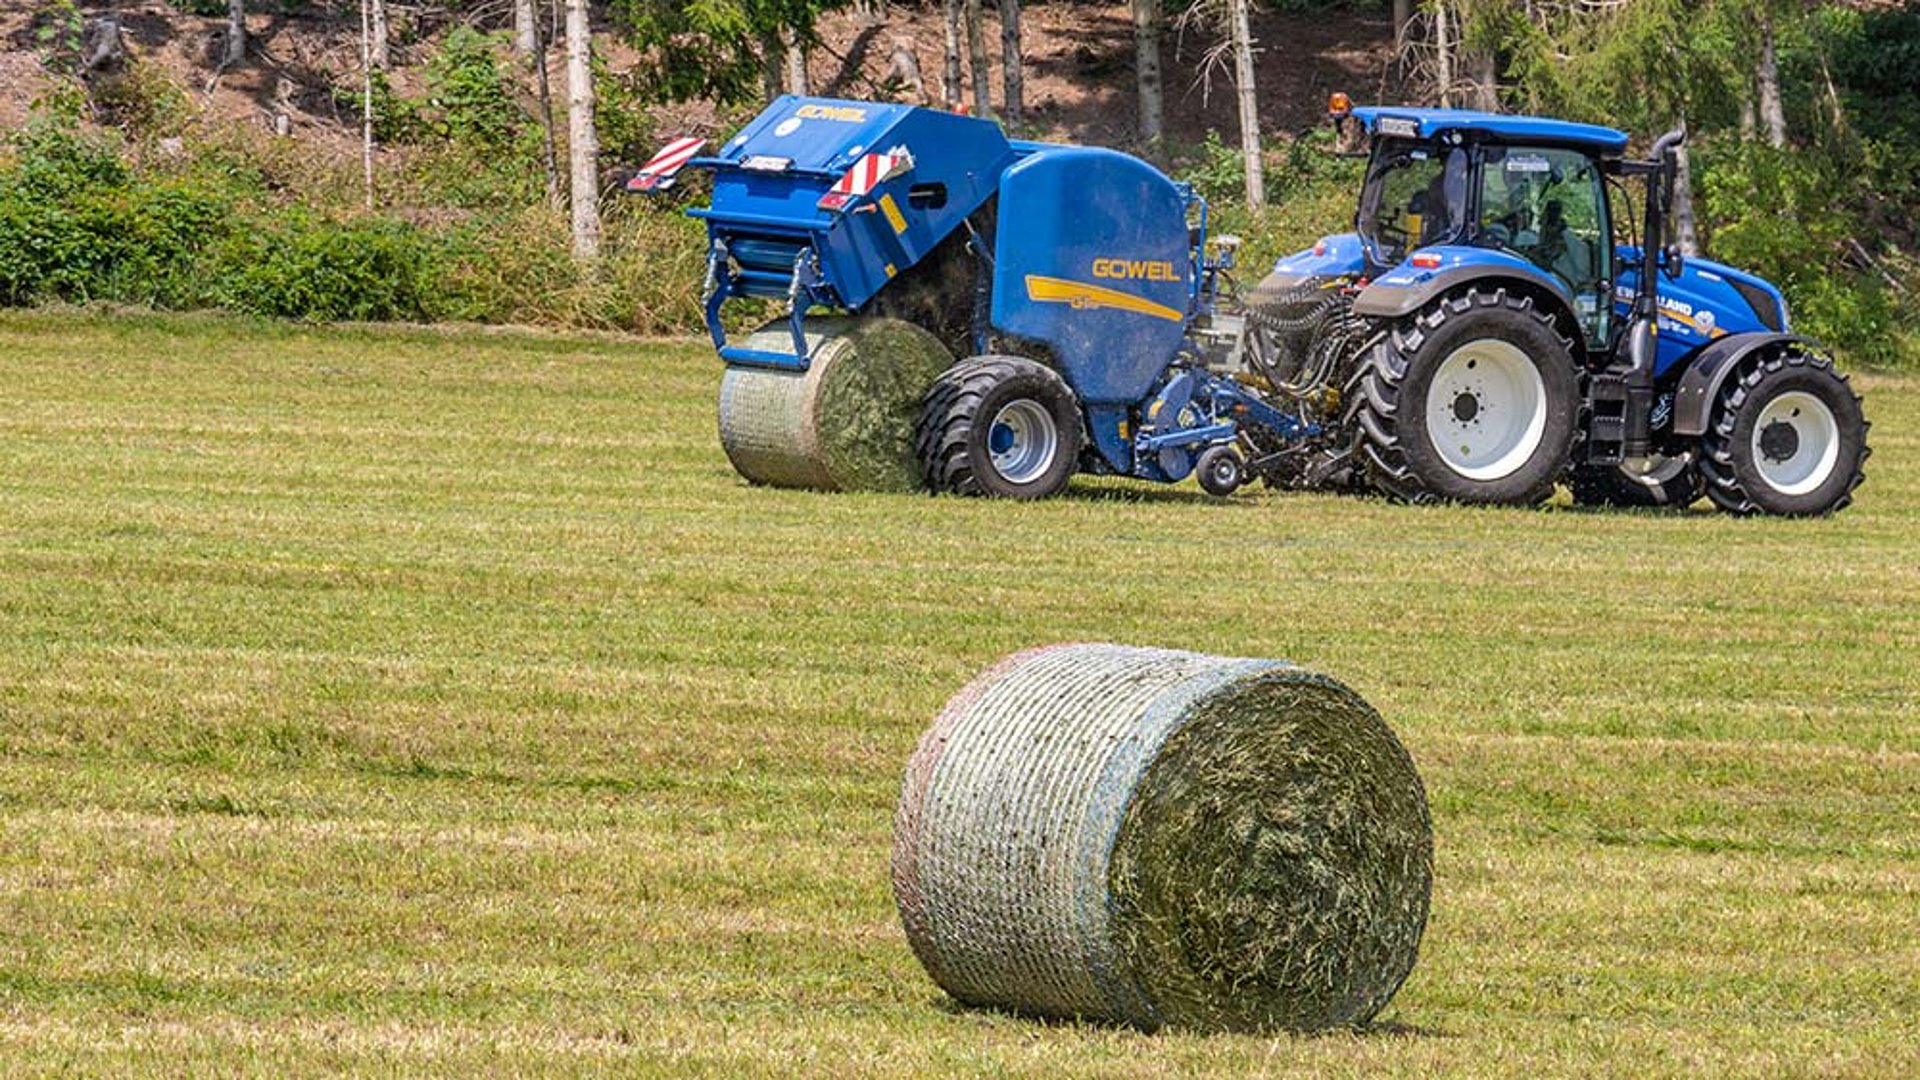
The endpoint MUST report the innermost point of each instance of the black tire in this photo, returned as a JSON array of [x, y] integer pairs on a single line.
[[1603, 485], [1220, 471], [979, 401], [1753, 475], [1397, 379]]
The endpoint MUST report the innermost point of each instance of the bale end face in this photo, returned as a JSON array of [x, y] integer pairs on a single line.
[[844, 424]]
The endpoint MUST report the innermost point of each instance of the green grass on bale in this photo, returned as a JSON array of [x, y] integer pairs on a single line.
[[401, 703], [870, 400], [1273, 867]]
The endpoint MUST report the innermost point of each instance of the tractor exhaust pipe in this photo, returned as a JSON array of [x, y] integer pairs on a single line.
[[1644, 335]]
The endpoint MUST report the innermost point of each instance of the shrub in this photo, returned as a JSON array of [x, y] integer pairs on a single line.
[[1790, 218], [302, 265]]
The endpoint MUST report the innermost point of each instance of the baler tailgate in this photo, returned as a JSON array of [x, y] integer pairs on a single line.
[[814, 202]]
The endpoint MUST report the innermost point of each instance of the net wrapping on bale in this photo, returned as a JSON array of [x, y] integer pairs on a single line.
[[1158, 838], [844, 424]]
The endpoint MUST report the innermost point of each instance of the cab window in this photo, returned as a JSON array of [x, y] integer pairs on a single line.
[[1415, 196], [1549, 207]]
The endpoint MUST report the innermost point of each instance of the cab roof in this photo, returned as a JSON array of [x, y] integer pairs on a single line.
[[1497, 127]]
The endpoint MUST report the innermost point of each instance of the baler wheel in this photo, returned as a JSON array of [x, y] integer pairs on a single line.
[[1787, 437], [999, 425], [1472, 400], [1221, 471]]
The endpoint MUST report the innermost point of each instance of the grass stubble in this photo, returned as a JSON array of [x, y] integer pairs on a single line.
[[408, 702]]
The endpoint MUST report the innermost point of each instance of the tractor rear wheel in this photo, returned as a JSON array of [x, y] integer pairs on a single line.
[[1472, 400], [999, 425], [1786, 437]]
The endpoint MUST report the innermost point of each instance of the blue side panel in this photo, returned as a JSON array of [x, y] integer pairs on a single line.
[[1092, 258], [1704, 305], [1332, 256], [1500, 127]]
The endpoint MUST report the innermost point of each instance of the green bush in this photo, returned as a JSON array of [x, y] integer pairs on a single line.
[[301, 265], [1792, 218], [395, 119], [75, 224], [469, 99]]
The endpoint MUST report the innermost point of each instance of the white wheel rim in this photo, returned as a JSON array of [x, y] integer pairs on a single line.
[[1022, 441], [1796, 443], [1486, 409]]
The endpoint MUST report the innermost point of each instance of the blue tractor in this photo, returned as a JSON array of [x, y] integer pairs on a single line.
[[1521, 338], [1484, 334]]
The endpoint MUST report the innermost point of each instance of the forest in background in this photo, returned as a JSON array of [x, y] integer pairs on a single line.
[[372, 160]]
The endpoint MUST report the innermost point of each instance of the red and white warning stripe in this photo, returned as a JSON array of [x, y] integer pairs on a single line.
[[659, 171], [865, 175]]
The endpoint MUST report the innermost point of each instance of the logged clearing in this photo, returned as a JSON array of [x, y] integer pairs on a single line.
[[412, 703]]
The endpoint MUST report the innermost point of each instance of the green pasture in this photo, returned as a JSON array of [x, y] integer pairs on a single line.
[[405, 703]]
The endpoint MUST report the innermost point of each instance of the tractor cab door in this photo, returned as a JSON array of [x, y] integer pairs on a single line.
[[1415, 196], [1549, 206]]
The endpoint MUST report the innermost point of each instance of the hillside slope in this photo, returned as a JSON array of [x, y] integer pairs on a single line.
[[1080, 83]]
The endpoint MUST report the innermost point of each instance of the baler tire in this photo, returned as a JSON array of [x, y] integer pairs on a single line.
[[1390, 410], [1736, 466], [958, 423], [1221, 471]]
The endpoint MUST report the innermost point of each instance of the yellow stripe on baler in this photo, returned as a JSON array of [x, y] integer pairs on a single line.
[[1052, 290]]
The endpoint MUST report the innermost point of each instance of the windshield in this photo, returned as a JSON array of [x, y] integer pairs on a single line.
[[1416, 195]]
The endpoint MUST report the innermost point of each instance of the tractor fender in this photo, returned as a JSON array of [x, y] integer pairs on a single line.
[[1700, 383], [1330, 258], [1407, 288]]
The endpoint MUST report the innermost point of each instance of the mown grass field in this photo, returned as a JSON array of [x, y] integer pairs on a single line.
[[404, 703]]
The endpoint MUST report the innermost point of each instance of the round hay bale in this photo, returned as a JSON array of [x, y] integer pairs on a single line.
[[1160, 838], [846, 423]]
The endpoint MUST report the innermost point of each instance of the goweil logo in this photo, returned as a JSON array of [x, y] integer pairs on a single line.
[[1134, 269]]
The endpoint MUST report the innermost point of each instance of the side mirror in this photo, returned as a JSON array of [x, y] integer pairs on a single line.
[[1675, 262]]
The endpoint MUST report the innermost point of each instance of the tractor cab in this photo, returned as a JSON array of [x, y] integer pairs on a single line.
[[1520, 193]]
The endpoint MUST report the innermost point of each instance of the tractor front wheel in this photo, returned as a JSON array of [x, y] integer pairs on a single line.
[[999, 425], [1472, 400], [1787, 436]]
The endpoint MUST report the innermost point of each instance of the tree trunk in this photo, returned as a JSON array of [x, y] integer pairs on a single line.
[[1483, 69], [771, 67], [1402, 14], [1771, 114], [796, 63], [950, 74], [1683, 227], [366, 99], [1146, 70], [526, 33], [1013, 105], [583, 142], [236, 34], [903, 69], [545, 84], [104, 51], [382, 51], [1249, 106], [1749, 121], [1443, 55], [977, 61]]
